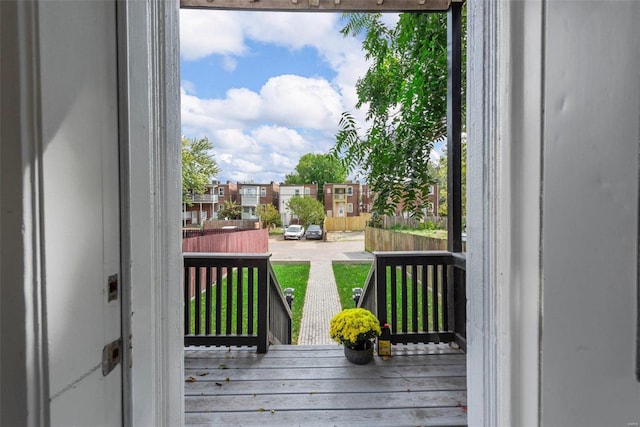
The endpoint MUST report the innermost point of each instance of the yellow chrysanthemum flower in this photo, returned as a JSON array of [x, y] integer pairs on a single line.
[[352, 326]]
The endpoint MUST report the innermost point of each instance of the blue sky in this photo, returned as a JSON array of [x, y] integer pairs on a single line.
[[266, 88]]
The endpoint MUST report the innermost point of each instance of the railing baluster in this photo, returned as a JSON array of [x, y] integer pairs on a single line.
[[229, 288], [239, 296], [250, 302], [207, 295], [445, 296], [219, 272], [263, 307], [405, 298], [198, 302], [394, 298], [187, 300], [425, 297], [434, 298], [414, 298]]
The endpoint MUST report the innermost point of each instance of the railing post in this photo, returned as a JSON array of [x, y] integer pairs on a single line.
[[381, 290], [460, 301], [454, 127], [263, 306]]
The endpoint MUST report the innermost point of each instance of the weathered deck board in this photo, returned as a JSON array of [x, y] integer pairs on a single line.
[[315, 385]]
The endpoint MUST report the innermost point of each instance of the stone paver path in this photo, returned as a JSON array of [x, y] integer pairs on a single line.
[[321, 303]]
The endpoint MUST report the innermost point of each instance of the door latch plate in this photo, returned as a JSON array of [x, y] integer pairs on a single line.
[[111, 356], [113, 288]]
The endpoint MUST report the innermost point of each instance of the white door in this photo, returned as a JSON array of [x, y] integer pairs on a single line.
[[81, 211]]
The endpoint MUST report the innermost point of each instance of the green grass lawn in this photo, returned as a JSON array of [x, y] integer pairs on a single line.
[[294, 276], [278, 231], [289, 276], [350, 276]]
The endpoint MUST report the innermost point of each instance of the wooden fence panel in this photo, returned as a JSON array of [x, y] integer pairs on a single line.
[[377, 239], [249, 241], [347, 223], [244, 224]]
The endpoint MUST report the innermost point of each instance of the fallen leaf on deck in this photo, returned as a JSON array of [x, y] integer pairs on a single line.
[[261, 409], [202, 374], [219, 384], [227, 379], [223, 366], [190, 379], [273, 411]]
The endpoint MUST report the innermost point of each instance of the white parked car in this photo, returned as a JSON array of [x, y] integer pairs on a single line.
[[294, 232]]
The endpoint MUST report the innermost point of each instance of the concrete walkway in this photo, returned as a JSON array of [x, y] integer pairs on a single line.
[[321, 303]]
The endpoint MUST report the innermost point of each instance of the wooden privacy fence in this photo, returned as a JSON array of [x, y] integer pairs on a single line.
[[233, 300], [377, 239], [421, 295], [347, 223], [243, 224], [248, 241], [393, 221]]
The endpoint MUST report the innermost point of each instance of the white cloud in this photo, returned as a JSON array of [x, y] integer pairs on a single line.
[[279, 138], [203, 33], [301, 102], [260, 136]]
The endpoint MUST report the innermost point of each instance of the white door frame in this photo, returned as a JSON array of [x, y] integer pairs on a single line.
[[151, 208], [498, 391], [504, 165]]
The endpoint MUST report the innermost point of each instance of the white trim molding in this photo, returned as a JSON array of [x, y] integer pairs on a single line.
[[504, 211], [24, 383], [151, 211]]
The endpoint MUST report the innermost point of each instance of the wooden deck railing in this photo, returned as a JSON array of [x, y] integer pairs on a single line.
[[233, 300], [421, 295]]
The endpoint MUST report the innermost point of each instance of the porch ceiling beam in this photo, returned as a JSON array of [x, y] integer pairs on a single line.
[[322, 5]]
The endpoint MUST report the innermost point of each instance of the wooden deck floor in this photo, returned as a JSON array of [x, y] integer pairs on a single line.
[[421, 385]]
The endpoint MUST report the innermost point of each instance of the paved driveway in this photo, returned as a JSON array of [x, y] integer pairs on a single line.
[[339, 246]]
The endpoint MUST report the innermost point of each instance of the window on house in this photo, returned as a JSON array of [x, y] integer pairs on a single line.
[[297, 192], [431, 190], [349, 191], [430, 207], [307, 191], [349, 207], [220, 191], [263, 192]]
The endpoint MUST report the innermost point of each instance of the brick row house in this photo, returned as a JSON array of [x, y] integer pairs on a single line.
[[353, 199], [430, 205], [252, 196], [198, 208], [340, 200]]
